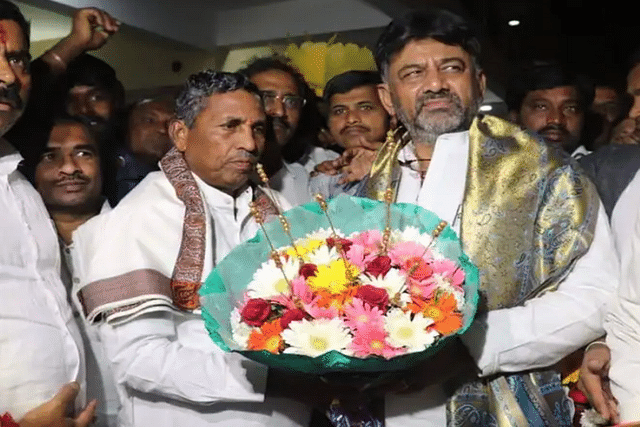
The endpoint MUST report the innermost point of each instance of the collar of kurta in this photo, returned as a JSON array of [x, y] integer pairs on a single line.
[[9, 157]]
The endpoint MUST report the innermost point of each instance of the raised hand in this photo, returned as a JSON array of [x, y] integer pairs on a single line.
[[90, 30]]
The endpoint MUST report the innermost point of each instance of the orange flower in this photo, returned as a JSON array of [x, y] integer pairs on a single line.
[[267, 338], [338, 301], [443, 311]]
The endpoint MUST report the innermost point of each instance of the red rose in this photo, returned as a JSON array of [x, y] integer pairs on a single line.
[[373, 296], [379, 266], [256, 312], [291, 316], [308, 270], [335, 242]]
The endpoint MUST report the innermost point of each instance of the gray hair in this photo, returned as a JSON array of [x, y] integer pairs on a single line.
[[192, 99]]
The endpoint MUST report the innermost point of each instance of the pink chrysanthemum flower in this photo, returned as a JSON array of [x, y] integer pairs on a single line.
[[402, 252], [361, 256], [424, 289], [370, 239], [359, 314], [321, 312], [371, 340], [449, 270], [301, 290]]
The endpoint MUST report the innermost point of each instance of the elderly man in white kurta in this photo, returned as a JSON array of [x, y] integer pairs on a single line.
[[528, 219], [142, 264]]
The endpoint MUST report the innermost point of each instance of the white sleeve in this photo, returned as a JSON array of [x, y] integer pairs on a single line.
[[146, 355], [547, 328], [623, 327]]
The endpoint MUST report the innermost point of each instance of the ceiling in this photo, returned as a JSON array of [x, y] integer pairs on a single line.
[[588, 38]]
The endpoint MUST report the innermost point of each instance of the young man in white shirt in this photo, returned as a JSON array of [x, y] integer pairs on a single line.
[[42, 363]]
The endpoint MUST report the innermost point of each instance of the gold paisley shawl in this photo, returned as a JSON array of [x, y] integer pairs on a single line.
[[528, 214]]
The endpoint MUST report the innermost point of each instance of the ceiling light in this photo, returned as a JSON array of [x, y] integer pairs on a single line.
[[486, 108], [514, 23]]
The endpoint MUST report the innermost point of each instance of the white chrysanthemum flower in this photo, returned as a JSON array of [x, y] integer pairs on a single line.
[[323, 234], [406, 332], [324, 255], [268, 280], [393, 282], [316, 337], [411, 234], [240, 330]]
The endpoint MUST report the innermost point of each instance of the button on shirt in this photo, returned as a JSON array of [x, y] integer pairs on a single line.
[[40, 345]]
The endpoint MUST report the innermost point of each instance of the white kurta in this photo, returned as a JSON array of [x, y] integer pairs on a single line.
[[100, 385], [40, 345], [623, 322], [536, 335], [167, 370], [292, 181]]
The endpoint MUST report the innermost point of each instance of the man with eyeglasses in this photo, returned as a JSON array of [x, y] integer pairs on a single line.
[[289, 154]]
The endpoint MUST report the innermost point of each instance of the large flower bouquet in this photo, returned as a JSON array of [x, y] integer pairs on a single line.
[[353, 286]]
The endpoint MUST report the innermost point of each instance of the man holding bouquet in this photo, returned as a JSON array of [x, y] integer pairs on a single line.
[[530, 221], [141, 266]]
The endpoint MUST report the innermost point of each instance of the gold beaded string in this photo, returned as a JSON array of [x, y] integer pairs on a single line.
[[283, 220], [434, 235], [274, 255], [386, 235], [323, 205]]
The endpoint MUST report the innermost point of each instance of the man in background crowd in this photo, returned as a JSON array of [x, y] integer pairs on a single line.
[[42, 367], [547, 100], [613, 166], [290, 154], [147, 140], [69, 178], [356, 120]]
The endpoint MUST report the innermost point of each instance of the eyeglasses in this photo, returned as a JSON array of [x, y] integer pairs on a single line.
[[290, 102]]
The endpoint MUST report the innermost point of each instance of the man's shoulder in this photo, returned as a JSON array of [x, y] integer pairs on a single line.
[[150, 200], [154, 188]]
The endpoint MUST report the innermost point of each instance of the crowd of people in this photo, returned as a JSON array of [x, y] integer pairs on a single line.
[[114, 215]]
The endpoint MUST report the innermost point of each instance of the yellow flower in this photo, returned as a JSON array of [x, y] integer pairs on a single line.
[[333, 277], [303, 247]]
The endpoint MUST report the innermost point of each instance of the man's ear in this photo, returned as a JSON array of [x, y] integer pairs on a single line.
[[179, 133], [385, 98], [482, 82]]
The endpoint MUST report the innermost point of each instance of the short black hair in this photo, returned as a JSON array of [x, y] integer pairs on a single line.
[[41, 136], [200, 86], [87, 70], [345, 82], [10, 12], [538, 75], [438, 24], [268, 63]]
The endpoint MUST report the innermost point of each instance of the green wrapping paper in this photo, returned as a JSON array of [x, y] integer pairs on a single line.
[[226, 284]]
